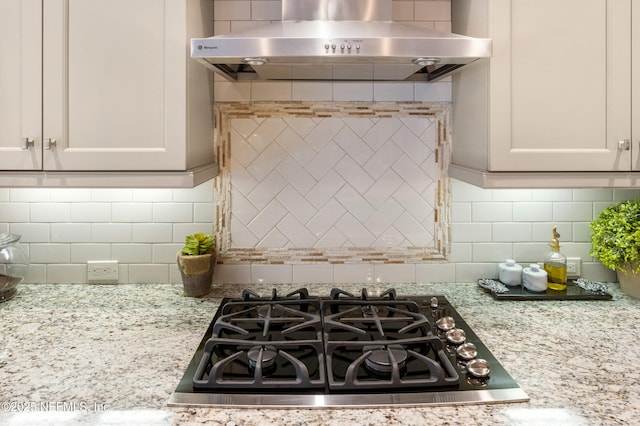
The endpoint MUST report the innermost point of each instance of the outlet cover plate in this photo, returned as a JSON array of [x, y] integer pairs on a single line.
[[573, 267], [102, 271]]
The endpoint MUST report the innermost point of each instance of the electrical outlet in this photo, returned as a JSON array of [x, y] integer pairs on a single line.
[[102, 271], [573, 267]]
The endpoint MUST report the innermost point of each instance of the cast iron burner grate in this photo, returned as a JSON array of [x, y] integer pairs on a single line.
[[342, 343], [342, 350]]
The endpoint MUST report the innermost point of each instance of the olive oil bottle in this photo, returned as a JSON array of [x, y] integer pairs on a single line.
[[555, 263]]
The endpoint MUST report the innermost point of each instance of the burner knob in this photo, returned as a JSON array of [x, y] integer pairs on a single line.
[[434, 302], [456, 336]]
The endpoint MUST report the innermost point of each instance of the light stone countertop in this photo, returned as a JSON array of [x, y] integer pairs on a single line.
[[113, 354]]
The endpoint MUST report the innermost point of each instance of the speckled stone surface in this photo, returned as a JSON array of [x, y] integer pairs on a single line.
[[82, 354]]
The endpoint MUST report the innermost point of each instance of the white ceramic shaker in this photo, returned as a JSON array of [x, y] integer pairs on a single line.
[[510, 273], [534, 278]]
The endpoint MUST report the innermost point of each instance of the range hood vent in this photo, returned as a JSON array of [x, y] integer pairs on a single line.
[[338, 40]]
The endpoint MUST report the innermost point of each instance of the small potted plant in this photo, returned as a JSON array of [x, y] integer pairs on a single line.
[[195, 262], [616, 243]]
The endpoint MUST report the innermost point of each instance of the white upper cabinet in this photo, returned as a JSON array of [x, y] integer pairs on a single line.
[[556, 95], [20, 84], [114, 84]]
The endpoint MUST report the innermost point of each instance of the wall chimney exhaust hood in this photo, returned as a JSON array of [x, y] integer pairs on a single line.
[[338, 40]]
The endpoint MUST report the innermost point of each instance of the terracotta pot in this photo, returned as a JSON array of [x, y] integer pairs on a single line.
[[197, 273], [629, 282]]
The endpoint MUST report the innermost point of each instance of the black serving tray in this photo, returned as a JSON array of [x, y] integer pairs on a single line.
[[572, 292]]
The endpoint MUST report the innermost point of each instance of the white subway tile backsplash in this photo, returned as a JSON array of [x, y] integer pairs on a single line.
[[471, 272], [511, 232], [181, 230], [132, 253], [529, 252], [50, 212], [532, 212], [202, 193], [131, 212], [232, 274], [232, 10], [354, 273], [353, 91], [463, 192], [389, 273], [432, 10], [165, 253], [593, 194], [70, 232], [71, 195], [271, 274], [311, 91], [112, 195], [572, 211], [66, 274], [29, 195], [436, 272], [625, 194], [581, 232], [111, 233], [204, 212], [402, 10], [148, 195], [433, 92], [461, 252], [49, 253], [492, 212], [511, 195], [384, 91], [4, 195], [271, 91], [14, 212], [226, 91], [542, 231], [492, 252], [552, 195], [266, 10], [471, 232], [313, 273], [152, 232], [461, 212], [84, 252], [141, 274], [90, 212], [31, 232], [175, 212]]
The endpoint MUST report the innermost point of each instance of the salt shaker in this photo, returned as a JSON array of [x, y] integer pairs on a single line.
[[534, 278], [510, 273]]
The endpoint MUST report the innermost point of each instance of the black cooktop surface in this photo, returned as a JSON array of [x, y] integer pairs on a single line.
[[340, 350]]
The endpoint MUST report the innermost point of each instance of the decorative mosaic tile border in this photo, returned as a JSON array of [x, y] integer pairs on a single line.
[[226, 111]]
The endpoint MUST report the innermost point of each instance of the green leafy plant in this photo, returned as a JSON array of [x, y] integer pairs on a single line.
[[616, 236], [198, 243]]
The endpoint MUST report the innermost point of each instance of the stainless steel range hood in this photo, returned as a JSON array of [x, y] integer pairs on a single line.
[[338, 40]]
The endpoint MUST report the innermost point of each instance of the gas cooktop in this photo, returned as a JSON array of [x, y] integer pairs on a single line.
[[341, 350]]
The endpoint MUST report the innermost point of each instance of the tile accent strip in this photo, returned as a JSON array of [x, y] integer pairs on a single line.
[[252, 163]]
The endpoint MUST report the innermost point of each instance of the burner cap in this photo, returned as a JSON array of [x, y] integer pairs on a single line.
[[269, 355], [380, 361], [369, 311], [270, 311]]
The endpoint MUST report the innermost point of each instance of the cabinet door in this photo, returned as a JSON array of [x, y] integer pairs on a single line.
[[561, 101], [20, 84], [114, 84]]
